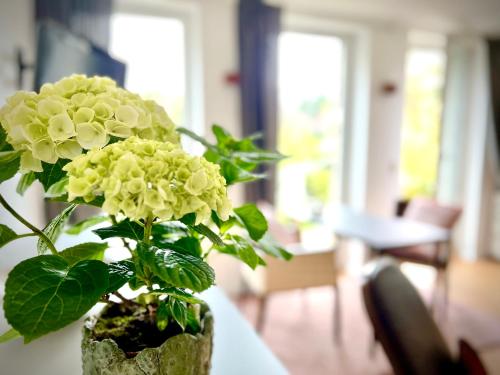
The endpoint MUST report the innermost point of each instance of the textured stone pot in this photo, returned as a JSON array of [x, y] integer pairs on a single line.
[[184, 354]]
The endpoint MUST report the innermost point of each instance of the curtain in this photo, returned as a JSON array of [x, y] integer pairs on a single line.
[[259, 27], [91, 20], [88, 18], [494, 60]]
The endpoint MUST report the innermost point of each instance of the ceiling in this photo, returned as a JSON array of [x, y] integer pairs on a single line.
[[451, 16]]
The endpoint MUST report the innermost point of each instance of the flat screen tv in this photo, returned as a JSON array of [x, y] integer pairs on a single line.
[[61, 53]]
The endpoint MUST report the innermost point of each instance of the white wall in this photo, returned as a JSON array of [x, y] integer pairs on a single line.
[[222, 103], [388, 48], [16, 30]]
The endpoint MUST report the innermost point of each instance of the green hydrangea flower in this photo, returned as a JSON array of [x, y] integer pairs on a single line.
[[79, 113], [141, 178]]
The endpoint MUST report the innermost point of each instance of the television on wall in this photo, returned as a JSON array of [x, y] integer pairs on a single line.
[[61, 52]]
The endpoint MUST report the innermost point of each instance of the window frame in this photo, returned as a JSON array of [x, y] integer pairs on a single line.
[[356, 96], [189, 13]]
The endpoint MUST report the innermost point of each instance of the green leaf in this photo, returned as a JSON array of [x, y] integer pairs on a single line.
[[55, 227], [25, 182], [168, 232], [188, 245], [135, 283], [162, 316], [181, 295], [9, 168], [223, 226], [235, 174], [207, 232], [97, 202], [253, 219], [245, 251], [51, 173], [244, 149], [57, 189], [8, 156], [178, 310], [240, 248], [193, 319], [87, 223], [4, 145], [84, 251], [11, 334], [46, 293], [270, 247], [177, 269], [221, 134], [260, 156], [202, 229], [189, 219], [6, 235], [120, 273], [124, 229]]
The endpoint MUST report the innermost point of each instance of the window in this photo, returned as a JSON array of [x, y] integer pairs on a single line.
[[311, 116], [154, 50], [420, 143]]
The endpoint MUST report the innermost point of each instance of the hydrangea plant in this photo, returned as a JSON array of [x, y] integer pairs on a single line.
[[89, 142]]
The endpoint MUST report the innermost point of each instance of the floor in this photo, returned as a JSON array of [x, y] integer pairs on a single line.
[[299, 323]]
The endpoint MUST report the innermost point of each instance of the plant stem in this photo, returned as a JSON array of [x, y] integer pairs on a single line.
[[35, 230], [147, 229], [123, 299], [148, 224]]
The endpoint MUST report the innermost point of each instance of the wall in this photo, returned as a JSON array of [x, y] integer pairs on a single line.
[[16, 30], [386, 113], [222, 106]]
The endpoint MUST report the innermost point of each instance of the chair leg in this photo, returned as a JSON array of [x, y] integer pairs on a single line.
[[337, 315], [442, 285], [446, 291], [438, 289], [373, 346], [435, 292], [261, 313]]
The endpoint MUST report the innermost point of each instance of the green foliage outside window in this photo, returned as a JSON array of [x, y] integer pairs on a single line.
[[420, 143]]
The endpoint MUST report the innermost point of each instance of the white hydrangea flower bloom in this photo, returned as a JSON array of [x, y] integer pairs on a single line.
[[141, 178], [79, 113]]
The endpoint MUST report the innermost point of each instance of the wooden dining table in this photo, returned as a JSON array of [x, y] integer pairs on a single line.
[[378, 232]]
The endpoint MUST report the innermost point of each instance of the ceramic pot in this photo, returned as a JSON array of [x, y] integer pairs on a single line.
[[183, 354]]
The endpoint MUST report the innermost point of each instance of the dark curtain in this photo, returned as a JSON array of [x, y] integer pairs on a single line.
[[91, 20], [88, 18], [494, 52], [259, 27]]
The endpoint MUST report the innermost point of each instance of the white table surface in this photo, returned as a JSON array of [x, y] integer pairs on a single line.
[[238, 350], [384, 233]]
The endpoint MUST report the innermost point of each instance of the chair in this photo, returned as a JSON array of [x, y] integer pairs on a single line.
[[308, 268], [409, 336], [429, 211]]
